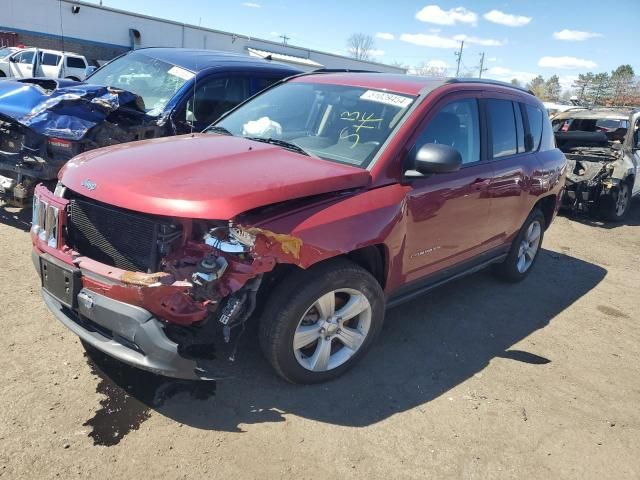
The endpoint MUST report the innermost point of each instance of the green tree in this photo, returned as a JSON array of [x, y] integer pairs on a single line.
[[537, 86], [622, 85], [552, 89], [582, 85], [600, 89], [516, 82]]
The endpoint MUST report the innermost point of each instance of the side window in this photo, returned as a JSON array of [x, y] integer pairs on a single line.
[[502, 126], [519, 127], [25, 57], [49, 59], [262, 83], [456, 125], [534, 114], [75, 62], [215, 96]]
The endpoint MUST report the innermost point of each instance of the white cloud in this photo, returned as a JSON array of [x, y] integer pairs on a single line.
[[575, 35], [496, 16], [492, 59], [486, 42], [435, 30], [385, 36], [433, 41], [435, 14], [568, 63], [251, 5], [506, 75]]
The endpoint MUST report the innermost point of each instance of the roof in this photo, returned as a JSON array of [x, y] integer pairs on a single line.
[[395, 82], [307, 62], [610, 113], [197, 60]]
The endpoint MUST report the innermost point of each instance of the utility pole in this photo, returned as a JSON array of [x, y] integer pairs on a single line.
[[482, 69], [459, 56], [284, 38]]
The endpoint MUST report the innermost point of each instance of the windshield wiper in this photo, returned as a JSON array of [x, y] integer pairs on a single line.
[[281, 143], [218, 129]]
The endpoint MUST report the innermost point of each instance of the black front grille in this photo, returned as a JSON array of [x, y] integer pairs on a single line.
[[112, 235]]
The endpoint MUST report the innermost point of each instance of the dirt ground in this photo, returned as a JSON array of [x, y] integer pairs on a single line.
[[477, 379]]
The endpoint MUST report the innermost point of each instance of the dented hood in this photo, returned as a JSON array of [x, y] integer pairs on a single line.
[[203, 176], [61, 108]]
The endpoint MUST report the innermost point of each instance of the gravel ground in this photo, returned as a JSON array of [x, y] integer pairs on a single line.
[[477, 379]]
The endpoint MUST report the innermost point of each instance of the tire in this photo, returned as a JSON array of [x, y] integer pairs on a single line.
[[295, 310], [512, 269], [614, 208]]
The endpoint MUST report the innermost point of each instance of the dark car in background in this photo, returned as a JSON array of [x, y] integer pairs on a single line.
[[603, 153], [143, 94]]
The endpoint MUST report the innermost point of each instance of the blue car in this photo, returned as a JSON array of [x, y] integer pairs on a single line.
[[146, 93]]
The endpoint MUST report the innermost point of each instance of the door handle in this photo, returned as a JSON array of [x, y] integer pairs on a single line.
[[480, 183]]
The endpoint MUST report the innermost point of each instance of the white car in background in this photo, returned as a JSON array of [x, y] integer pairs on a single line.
[[36, 62]]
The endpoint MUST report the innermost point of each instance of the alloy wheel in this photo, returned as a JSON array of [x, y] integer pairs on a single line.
[[332, 330], [529, 246]]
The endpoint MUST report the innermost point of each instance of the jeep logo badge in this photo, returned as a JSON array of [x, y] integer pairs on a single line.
[[88, 184]]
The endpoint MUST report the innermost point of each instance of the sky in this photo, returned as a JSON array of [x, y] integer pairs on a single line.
[[520, 38]]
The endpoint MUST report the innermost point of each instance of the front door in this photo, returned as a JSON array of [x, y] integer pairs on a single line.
[[448, 213]]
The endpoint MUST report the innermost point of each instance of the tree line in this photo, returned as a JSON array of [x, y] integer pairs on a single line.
[[621, 87]]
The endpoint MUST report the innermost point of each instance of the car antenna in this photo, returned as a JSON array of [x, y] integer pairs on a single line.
[[61, 26], [195, 84]]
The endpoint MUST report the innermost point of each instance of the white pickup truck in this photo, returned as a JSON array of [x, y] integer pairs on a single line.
[[36, 62]]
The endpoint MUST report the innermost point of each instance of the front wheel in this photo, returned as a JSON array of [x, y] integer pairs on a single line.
[[614, 207], [524, 249], [319, 322]]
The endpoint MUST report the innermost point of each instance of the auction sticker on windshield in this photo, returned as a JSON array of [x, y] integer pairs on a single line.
[[386, 98], [180, 73]]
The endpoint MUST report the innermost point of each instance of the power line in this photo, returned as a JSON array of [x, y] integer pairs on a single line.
[[481, 70], [284, 38], [459, 56]]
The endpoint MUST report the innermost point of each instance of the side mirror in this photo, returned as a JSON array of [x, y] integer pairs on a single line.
[[434, 158], [89, 70], [13, 59]]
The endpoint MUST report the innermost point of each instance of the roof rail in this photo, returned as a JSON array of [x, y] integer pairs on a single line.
[[341, 70], [488, 82]]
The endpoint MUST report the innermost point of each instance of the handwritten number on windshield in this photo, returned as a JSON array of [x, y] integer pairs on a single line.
[[361, 120]]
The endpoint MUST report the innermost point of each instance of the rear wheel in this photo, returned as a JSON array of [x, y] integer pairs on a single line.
[[319, 322], [2, 74], [614, 207], [524, 249]]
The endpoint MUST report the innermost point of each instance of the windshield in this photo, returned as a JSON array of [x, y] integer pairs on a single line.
[[340, 123], [152, 79]]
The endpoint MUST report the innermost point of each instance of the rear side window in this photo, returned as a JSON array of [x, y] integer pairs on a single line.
[[262, 83], [50, 59], [456, 125], [534, 114], [502, 125], [75, 62]]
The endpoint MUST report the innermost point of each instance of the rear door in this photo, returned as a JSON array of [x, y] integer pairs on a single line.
[[632, 148], [513, 160], [449, 212], [49, 65]]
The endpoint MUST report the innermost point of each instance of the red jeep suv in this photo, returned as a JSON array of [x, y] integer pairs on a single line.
[[311, 207]]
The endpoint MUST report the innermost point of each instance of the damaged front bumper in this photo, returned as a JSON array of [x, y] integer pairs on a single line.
[[125, 332]]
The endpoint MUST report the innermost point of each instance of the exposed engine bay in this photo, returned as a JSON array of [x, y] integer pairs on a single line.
[[64, 122], [591, 165]]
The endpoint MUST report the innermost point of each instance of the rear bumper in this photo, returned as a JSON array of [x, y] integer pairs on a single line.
[[125, 332]]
